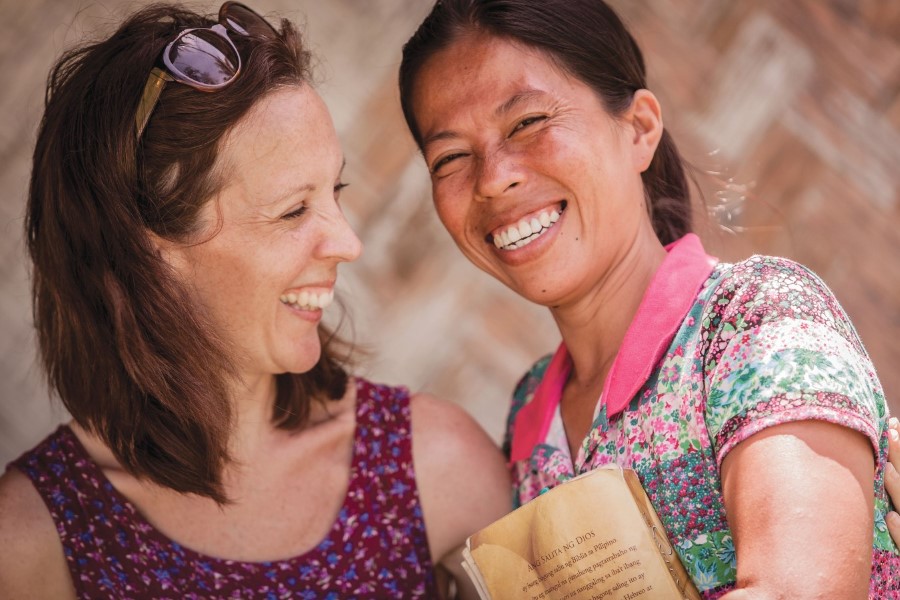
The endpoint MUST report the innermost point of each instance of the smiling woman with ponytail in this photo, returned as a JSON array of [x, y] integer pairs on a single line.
[[739, 393]]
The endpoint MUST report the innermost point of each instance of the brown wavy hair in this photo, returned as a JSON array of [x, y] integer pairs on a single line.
[[132, 357], [588, 39]]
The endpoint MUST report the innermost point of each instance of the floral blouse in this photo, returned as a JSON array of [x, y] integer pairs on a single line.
[[715, 354]]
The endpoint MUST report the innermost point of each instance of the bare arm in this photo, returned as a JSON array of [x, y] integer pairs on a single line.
[[32, 564], [462, 479], [799, 500], [892, 478]]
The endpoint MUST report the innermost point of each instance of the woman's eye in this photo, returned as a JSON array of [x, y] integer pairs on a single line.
[[294, 214], [444, 161], [338, 188], [526, 122]]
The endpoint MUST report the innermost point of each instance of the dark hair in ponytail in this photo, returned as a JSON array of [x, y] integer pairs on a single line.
[[589, 40]]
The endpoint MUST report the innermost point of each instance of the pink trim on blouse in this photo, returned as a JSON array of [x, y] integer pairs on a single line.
[[663, 308]]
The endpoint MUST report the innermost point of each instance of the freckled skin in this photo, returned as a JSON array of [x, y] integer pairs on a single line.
[[506, 132], [558, 144], [283, 157]]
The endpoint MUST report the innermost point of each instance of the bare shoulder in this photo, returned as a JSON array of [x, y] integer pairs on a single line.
[[461, 474], [32, 563], [447, 439]]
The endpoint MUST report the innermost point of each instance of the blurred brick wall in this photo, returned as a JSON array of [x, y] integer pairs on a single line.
[[795, 106]]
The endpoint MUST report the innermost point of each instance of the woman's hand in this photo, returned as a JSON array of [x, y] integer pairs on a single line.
[[892, 477]]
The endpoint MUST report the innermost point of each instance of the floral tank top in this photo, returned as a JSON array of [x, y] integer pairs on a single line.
[[377, 548]]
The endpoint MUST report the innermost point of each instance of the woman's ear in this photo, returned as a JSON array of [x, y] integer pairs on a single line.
[[170, 252], [645, 117]]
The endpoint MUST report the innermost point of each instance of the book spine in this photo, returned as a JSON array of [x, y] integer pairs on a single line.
[[666, 551]]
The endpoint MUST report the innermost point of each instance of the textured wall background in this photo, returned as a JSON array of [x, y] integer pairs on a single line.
[[795, 106]]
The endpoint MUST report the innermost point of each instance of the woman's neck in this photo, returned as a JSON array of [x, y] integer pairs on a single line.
[[594, 326], [253, 405]]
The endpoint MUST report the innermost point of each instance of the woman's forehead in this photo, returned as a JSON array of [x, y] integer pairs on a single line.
[[286, 146], [488, 75]]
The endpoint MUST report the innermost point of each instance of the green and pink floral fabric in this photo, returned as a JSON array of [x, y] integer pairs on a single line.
[[716, 353]]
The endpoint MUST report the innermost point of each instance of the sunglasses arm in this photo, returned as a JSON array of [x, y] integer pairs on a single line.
[[152, 89]]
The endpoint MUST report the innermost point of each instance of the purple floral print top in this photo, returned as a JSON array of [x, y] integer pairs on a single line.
[[715, 354], [377, 548]]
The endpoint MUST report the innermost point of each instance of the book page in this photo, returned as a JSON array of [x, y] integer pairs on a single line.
[[588, 538]]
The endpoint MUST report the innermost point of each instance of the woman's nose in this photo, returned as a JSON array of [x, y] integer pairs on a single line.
[[339, 241], [496, 173]]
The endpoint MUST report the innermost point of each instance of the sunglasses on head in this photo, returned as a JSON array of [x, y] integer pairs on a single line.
[[204, 58]]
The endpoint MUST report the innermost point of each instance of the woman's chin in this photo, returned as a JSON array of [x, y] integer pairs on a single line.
[[543, 294], [303, 365], [296, 362]]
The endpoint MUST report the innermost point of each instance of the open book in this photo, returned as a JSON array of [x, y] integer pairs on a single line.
[[595, 537]]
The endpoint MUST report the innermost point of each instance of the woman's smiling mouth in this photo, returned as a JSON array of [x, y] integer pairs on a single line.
[[526, 230], [308, 301]]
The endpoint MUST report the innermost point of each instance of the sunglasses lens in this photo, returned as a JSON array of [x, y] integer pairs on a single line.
[[203, 57], [243, 20]]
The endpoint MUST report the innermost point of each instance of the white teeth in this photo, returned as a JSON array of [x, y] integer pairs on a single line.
[[308, 300], [525, 231]]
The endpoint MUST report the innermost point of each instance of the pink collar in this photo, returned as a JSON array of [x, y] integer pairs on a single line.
[[663, 308]]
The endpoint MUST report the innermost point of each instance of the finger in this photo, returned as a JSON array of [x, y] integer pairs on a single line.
[[892, 483], [892, 477], [894, 445], [893, 523]]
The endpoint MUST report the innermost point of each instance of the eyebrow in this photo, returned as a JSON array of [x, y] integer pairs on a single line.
[[522, 97], [447, 134], [306, 187], [515, 100]]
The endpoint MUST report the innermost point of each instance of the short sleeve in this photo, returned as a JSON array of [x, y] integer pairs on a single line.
[[781, 349]]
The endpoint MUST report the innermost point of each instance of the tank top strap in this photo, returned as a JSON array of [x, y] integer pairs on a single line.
[[383, 440], [383, 413], [82, 502], [383, 485]]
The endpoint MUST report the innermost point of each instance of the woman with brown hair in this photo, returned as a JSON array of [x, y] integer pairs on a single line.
[[740, 394], [185, 230]]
